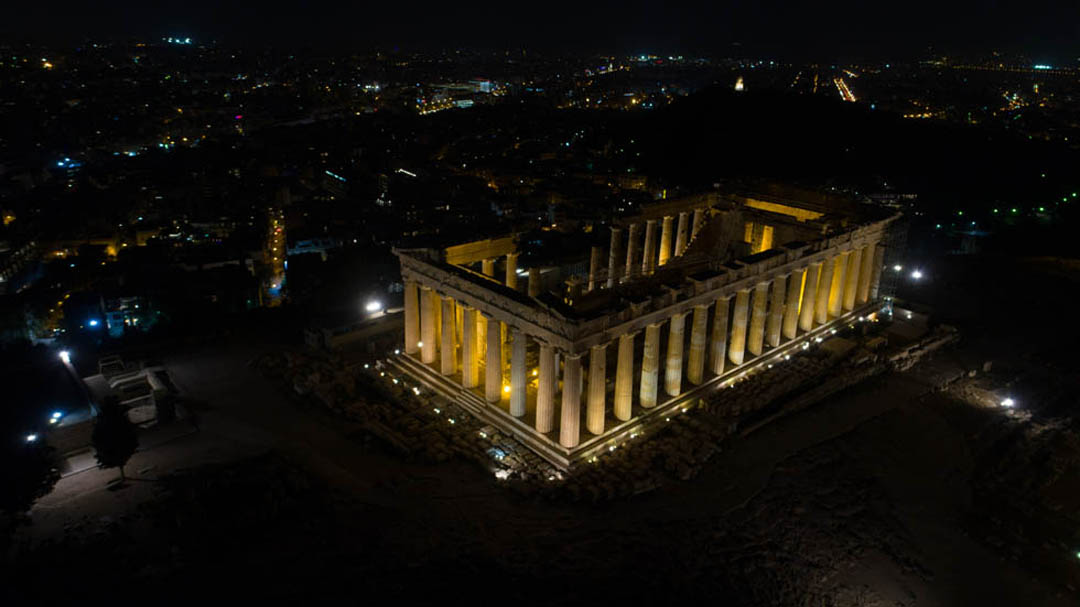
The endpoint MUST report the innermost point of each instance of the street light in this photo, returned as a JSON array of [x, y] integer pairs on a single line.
[[65, 356], [916, 274], [1008, 402], [31, 438], [897, 268], [373, 306]]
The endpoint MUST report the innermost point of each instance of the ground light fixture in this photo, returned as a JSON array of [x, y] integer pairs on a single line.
[[31, 438], [1008, 402], [917, 274], [373, 306], [65, 356]]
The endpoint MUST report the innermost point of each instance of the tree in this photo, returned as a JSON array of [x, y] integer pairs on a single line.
[[115, 438], [29, 472]]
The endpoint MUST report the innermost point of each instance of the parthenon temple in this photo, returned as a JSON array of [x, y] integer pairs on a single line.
[[688, 295]]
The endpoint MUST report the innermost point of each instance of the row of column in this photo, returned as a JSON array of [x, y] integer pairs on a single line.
[[674, 240], [689, 224], [769, 313]]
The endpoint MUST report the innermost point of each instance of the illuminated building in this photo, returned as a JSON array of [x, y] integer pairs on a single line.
[[689, 295]]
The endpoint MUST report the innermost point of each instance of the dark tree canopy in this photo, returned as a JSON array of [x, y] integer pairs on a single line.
[[28, 472], [115, 438]]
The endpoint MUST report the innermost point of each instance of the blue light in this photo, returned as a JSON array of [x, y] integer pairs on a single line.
[[56, 414], [93, 322]]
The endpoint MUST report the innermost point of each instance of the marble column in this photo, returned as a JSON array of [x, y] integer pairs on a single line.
[[650, 360], [459, 322], [534, 282], [718, 349], [470, 350], [624, 377], [699, 222], [666, 236], [429, 300], [448, 347], [682, 234], [695, 360], [836, 293], [875, 272], [412, 318], [595, 255], [863, 295], [517, 372], [436, 304], [809, 297], [821, 306], [675, 346], [632, 255], [545, 390], [851, 281], [570, 418], [487, 267], [755, 341], [791, 307], [776, 311], [648, 262], [737, 348], [493, 362], [511, 270], [613, 257], [594, 411], [481, 337]]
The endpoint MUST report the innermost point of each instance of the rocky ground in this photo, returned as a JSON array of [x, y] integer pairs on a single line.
[[896, 490]]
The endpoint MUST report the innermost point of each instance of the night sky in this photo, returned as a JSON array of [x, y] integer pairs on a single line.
[[1047, 29]]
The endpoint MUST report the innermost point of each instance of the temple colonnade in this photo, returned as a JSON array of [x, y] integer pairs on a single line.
[[564, 392]]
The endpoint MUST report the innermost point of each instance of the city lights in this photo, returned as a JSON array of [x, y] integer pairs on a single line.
[[685, 317]]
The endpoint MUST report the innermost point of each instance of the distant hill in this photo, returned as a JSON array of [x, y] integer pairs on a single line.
[[718, 133]]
